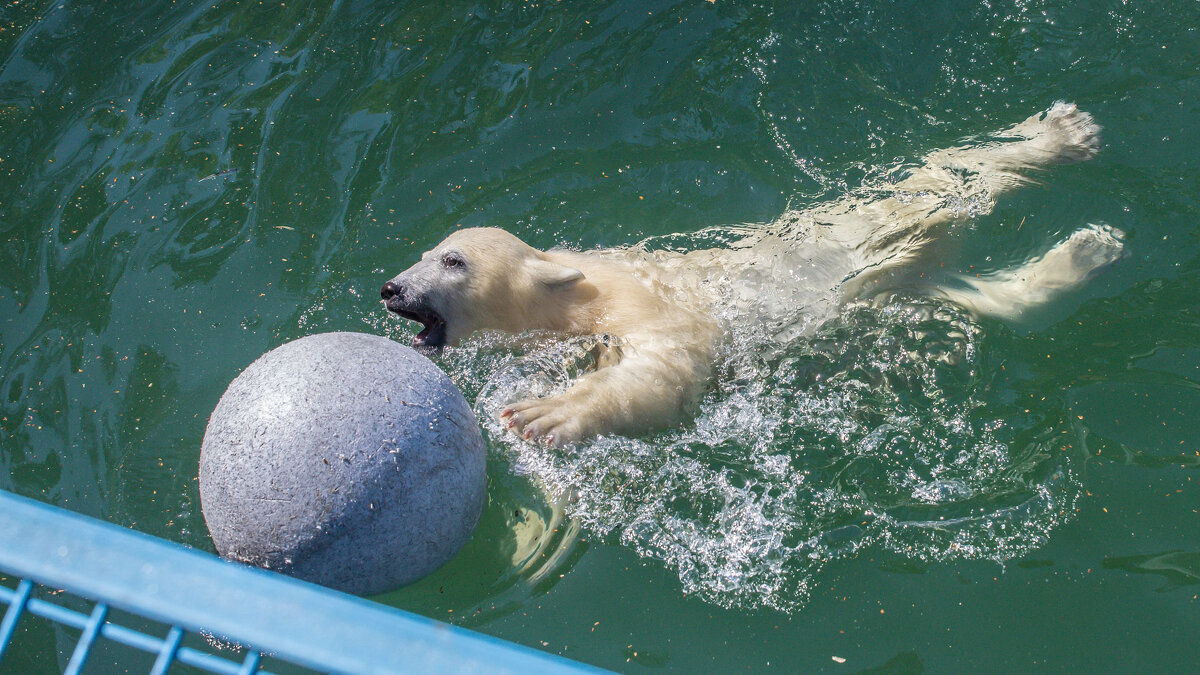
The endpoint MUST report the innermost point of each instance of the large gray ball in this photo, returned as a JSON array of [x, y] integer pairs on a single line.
[[344, 459]]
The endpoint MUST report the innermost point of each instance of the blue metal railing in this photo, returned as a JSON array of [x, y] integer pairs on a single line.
[[193, 591]]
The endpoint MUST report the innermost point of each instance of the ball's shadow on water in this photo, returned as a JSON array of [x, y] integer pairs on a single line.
[[523, 545]]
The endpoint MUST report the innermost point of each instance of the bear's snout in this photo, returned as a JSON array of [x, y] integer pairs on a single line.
[[397, 297], [415, 307], [390, 290]]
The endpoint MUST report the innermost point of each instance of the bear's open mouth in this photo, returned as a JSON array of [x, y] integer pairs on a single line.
[[433, 332]]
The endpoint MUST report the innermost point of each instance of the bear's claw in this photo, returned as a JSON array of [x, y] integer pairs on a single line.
[[545, 420]]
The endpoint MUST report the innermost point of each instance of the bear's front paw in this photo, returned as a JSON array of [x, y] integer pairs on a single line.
[[548, 420]]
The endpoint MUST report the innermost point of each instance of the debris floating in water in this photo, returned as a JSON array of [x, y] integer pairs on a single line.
[[220, 174]]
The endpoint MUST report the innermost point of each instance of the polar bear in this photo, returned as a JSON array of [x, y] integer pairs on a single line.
[[659, 305]]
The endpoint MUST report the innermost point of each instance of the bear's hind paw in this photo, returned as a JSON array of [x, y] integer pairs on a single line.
[[1066, 133]]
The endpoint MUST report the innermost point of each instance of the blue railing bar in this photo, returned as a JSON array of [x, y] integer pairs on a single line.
[[49, 610], [166, 655], [250, 665], [83, 648], [264, 611], [210, 662], [46, 610], [127, 636], [73, 619], [16, 606]]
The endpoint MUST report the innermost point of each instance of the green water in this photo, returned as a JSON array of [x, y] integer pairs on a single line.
[[184, 186]]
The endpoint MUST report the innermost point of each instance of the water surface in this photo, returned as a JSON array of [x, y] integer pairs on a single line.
[[184, 186]]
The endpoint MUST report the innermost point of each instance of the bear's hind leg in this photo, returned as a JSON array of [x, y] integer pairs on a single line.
[[1060, 135], [953, 183], [1065, 267]]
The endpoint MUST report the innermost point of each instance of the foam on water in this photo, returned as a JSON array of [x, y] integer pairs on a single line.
[[875, 429]]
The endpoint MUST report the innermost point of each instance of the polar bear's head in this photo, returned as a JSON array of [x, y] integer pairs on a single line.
[[477, 278]]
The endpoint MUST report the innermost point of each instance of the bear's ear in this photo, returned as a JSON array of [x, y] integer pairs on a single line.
[[553, 274]]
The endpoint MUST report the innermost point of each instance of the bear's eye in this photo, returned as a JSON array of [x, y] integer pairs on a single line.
[[453, 260]]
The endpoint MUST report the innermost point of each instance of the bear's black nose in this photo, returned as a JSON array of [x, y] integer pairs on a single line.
[[390, 290]]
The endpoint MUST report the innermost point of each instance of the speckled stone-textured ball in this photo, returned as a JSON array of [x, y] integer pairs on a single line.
[[344, 459]]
